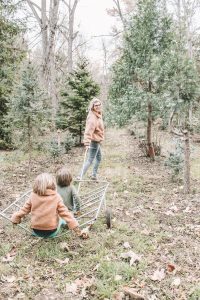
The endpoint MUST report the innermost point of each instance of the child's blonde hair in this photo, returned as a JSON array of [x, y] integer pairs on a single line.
[[63, 177], [43, 182]]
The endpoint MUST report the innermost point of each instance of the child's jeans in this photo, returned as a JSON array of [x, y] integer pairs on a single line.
[[53, 234], [94, 153]]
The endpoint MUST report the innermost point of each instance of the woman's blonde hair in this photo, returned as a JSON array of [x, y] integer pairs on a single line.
[[43, 182], [63, 177], [92, 102]]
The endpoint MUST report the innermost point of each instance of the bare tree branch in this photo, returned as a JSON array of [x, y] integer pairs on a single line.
[[30, 3], [37, 6], [67, 4]]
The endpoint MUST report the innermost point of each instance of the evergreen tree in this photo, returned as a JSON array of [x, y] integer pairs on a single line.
[[139, 73], [28, 111], [80, 89], [10, 58]]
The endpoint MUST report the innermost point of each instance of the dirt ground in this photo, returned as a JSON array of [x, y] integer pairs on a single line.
[[153, 246]]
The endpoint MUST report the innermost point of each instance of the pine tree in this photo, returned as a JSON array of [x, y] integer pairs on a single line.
[[80, 89], [28, 110], [139, 73], [9, 61]]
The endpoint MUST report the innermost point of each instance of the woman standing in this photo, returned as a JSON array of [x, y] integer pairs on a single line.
[[93, 136]]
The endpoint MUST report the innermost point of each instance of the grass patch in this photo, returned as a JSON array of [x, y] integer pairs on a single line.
[[5, 248], [106, 277], [195, 295]]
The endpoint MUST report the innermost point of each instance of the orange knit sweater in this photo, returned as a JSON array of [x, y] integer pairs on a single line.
[[45, 211], [94, 130]]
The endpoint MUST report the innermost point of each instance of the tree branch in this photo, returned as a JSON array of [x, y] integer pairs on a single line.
[[74, 6], [67, 4], [30, 3], [37, 6], [176, 132]]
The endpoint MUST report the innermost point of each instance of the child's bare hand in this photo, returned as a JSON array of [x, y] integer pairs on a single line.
[[77, 213], [85, 233], [84, 236]]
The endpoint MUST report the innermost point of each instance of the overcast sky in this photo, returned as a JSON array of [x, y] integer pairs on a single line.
[[93, 18]]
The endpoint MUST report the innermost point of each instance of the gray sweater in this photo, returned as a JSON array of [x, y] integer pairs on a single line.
[[70, 197]]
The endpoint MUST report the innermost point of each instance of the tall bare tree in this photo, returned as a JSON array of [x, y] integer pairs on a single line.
[[48, 26], [71, 34]]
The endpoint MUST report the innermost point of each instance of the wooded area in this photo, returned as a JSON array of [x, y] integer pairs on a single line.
[[148, 78]]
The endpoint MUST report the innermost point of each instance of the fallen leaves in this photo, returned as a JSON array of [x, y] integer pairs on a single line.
[[10, 256], [132, 293], [71, 288], [118, 278], [62, 262], [127, 291], [64, 247], [131, 256], [9, 279], [176, 281], [170, 268], [79, 286], [158, 275], [126, 245]]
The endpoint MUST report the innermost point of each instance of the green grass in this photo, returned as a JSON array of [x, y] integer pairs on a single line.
[[106, 283], [4, 248], [195, 294]]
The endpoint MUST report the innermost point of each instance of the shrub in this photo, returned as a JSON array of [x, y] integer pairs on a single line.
[[54, 149], [68, 143], [175, 159]]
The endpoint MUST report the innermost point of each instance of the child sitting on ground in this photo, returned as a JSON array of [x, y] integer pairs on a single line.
[[67, 191], [46, 206]]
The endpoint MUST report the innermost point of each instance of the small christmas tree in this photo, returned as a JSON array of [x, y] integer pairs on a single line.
[[80, 89], [28, 111]]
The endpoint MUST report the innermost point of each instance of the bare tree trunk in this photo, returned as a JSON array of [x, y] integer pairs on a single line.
[[59, 138], [53, 17], [44, 31], [29, 147], [171, 119], [151, 151], [80, 134], [71, 34], [48, 30], [105, 71], [188, 21], [186, 162]]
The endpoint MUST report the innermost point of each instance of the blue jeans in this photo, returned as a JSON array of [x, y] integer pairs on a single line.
[[94, 154]]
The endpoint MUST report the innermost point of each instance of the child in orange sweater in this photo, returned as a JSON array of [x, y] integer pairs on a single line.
[[46, 206]]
